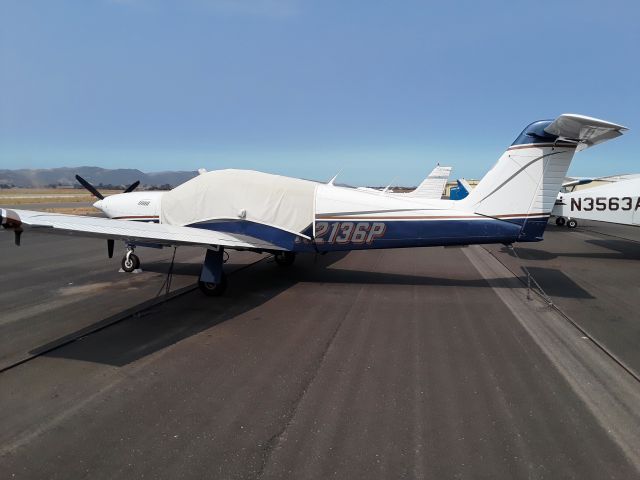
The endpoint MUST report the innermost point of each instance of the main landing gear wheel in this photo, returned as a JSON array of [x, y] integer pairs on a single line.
[[572, 223], [560, 221], [285, 259], [130, 262], [213, 289]]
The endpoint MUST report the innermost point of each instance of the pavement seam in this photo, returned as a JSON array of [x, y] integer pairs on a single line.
[[594, 376], [276, 440], [541, 294]]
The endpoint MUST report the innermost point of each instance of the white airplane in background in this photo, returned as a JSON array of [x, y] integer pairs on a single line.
[[461, 190], [616, 202], [249, 210], [431, 187]]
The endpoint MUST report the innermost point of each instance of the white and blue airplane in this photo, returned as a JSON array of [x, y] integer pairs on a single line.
[[250, 210]]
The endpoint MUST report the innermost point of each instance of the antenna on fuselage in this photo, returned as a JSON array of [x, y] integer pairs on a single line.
[[386, 189], [333, 180]]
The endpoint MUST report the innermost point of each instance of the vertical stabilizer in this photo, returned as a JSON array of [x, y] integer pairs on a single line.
[[432, 187], [523, 185]]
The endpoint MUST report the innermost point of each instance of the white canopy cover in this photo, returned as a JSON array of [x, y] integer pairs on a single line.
[[282, 202]]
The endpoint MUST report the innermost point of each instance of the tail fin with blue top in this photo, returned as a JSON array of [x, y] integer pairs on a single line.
[[461, 190], [523, 185]]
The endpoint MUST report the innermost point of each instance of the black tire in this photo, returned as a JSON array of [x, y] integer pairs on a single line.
[[285, 259], [132, 264], [572, 223], [214, 289], [560, 221]]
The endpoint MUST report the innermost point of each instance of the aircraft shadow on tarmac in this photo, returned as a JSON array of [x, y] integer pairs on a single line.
[[624, 250], [155, 328], [556, 284], [179, 268], [553, 281]]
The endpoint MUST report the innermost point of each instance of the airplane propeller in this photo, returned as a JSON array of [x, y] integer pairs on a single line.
[[89, 187], [132, 187], [95, 191]]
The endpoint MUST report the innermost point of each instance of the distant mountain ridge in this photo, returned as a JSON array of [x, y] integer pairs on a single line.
[[40, 178]]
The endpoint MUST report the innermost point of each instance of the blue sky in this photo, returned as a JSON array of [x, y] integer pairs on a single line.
[[381, 90]]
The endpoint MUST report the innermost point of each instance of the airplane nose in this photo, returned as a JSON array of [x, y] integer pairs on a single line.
[[98, 205]]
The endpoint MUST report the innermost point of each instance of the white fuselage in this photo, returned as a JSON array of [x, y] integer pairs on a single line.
[[614, 203]]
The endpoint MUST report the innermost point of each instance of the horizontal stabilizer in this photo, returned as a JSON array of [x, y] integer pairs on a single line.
[[587, 131]]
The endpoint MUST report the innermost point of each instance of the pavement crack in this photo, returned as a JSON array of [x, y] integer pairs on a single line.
[[280, 436]]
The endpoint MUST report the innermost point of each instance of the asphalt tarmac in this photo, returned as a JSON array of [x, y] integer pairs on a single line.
[[53, 286], [592, 274], [416, 363]]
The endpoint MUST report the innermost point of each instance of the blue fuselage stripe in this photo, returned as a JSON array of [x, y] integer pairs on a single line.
[[349, 234]]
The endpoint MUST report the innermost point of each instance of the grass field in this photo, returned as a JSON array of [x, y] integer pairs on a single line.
[[73, 210], [19, 196], [42, 191]]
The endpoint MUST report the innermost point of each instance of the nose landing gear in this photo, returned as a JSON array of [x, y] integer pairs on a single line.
[[130, 261]]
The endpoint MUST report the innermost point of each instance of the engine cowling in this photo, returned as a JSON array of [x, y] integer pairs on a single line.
[[10, 220]]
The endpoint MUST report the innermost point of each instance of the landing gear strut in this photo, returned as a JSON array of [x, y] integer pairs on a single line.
[[213, 281], [130, 261], [285, 259]]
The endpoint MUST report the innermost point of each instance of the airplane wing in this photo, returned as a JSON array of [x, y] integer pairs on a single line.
[[131, 232], [575, 183], [433, 186]]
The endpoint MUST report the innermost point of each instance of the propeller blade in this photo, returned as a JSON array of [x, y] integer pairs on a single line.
[[89, 187], [132, 187], [16, 236], [110, 247]]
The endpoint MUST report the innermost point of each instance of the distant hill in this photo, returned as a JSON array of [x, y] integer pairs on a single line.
[[40, 178]]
